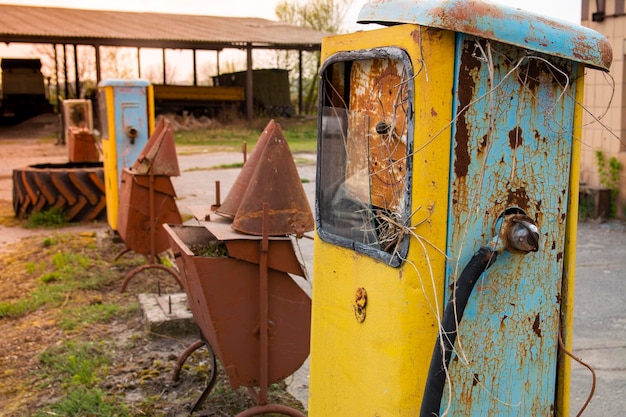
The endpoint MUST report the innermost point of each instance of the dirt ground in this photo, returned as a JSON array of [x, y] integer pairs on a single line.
[[139, 374], [29, 143]]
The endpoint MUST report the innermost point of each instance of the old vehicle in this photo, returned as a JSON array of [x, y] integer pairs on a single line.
[[23, 90]]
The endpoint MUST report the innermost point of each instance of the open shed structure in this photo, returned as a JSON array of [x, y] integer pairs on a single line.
[[96, 28]]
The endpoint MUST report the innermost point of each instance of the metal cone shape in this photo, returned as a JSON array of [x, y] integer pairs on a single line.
[[233, 200], [275, 181], [158, 157]]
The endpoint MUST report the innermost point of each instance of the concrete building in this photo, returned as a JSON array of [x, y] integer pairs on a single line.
[[604, 121]]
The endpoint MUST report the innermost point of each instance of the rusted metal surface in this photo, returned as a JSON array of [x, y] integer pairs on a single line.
[[158, 157], [511, 152], [183, 357], [498, 23], [237, 192], [81, 146], [225, 299], [360, 304], [139, 228], [270, 408], [269, 176], [378, 114], [135, 271], [519, 234]]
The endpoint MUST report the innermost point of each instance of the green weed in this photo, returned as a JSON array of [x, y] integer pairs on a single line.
[[97, 313], [53, 217], [78, 363], [82, 402], [67, 270], [79, 367], [609, 173]]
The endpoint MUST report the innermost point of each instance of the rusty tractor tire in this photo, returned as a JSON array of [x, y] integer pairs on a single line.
[[76, 188]]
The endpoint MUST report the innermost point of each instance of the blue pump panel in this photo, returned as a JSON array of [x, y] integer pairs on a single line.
[[499, 23], [132, 120], [512, 143]]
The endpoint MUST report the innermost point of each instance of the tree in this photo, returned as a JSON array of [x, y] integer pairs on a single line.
[[86, 65], [117, 62], [323, 15]]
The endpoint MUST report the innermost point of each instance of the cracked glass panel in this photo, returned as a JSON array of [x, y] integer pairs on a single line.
[[364, 186]]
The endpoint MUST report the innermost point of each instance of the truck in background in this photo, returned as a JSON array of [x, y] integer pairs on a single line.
[[23, 91]]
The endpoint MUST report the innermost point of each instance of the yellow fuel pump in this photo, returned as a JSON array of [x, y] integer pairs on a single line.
[[126, 109], [446, 211]]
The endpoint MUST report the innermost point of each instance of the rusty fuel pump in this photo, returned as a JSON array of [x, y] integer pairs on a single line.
[[447, 138]]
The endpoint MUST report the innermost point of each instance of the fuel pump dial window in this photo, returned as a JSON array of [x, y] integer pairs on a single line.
[[364, 184]]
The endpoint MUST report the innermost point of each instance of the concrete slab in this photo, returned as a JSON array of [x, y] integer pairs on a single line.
[[167, 314]]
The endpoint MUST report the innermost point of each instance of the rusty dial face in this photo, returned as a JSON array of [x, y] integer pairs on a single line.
[[388, 132]]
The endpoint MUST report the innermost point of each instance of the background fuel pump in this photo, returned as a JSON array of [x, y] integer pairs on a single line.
[[456, 128], [126, 109]]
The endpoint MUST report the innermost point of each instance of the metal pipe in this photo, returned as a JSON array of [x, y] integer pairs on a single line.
[[433, 391], [264, 310], [517, 234]]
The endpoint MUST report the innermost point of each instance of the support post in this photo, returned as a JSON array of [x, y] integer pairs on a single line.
[[76, 76], [249, 85], [300, 82]]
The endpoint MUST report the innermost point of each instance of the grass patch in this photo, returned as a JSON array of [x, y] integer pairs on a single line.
[[52, 218], [79, 367], [82, 402], [74, 363], [66, 268], [97, 312], [300, 133], [221, 166], [83, 349]]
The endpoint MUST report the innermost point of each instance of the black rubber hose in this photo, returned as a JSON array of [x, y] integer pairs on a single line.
[[452, 315]]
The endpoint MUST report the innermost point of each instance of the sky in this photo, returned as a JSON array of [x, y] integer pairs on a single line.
[[562, 9]]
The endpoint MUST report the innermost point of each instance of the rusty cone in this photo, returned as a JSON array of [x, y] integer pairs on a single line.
[[233, 200], [158, 157], [273, 180], [147, 196]]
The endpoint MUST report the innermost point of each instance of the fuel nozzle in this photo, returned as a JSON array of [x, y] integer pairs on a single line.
[[519, 234]]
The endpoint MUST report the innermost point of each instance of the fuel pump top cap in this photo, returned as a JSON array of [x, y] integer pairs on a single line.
[[499, 23], [115, 82]]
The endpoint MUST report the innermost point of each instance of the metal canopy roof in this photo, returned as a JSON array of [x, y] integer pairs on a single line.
[[496, 22], [152, 30]]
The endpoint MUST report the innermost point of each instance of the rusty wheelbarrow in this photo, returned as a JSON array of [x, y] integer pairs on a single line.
[[148, 200], [253, 315]]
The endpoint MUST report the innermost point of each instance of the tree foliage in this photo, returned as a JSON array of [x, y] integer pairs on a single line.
[[322, 15], [325, 15]]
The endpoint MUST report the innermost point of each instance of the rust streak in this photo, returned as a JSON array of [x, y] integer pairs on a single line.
[[537, 325], [515, 137], [518, 197], [469, 65]]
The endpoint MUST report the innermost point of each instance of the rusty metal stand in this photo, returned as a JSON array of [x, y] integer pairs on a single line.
[[152, 257], [261, 397], [183, 357]]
